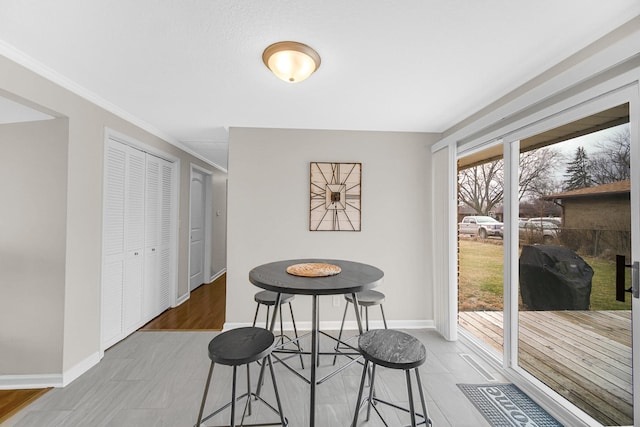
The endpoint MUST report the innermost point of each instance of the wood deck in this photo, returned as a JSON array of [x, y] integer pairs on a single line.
[[584, 356]]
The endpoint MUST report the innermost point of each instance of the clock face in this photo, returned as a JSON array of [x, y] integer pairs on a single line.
[[335, 196]]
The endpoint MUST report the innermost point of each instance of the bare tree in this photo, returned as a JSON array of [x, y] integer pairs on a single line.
[[482, 187], [612, 161], [536, 170]]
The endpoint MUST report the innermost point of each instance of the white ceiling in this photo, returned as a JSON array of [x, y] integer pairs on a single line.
[[192, 68]]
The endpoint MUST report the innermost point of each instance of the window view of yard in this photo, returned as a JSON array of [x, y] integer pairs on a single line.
[[481, 279], [574, 194]]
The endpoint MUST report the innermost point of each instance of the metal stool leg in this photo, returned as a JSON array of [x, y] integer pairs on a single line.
[[366, 313], [295, 333], [427, 420], [275, 389], [248, 391], [344, 316], [204, 396], [371, 392], [412, 409], [281, 327], [255, 317], [360, 391], [384, 319], [233, 398], [266, 319]]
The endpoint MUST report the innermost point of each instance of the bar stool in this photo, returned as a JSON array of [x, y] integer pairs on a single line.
[[395, 350], [235, 348], [366, 299], [268, 299]]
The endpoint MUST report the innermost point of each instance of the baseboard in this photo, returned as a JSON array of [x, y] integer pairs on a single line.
[[187, 295], [218, 274], [334, 325], [20, 382], [80, 368], [181, 299]]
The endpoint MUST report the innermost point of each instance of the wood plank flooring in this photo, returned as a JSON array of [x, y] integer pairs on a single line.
[[204, 310], [583, 355], [12, 401]]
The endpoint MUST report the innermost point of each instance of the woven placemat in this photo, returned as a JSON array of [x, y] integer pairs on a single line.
[[313, 269]]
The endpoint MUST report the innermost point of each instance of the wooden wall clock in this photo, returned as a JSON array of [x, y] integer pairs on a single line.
[[335, 196]]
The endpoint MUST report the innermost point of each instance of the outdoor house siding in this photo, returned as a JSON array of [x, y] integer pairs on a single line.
[[603, 213]]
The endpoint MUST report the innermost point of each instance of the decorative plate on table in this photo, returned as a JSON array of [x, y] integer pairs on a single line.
[[313, 269]]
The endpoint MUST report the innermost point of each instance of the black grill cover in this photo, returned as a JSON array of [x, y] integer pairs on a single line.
[[554, 278]]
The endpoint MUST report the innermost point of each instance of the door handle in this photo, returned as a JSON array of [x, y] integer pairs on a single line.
[[635, 279], [620, 278]]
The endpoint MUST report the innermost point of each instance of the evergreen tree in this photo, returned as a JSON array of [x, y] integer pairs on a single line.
[[577, 175]]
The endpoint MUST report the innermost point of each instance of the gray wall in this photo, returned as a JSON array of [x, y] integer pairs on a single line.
[[268, 215], [33, 216]]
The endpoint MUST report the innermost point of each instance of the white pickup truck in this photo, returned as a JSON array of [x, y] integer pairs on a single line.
[[481, 226]]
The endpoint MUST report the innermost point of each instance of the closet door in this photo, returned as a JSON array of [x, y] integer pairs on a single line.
[[166, 268], [138, 243], [134, 232], [151, 291], [113, 242], [158, 225]]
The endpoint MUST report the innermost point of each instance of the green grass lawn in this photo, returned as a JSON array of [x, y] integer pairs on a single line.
[[481, 278]]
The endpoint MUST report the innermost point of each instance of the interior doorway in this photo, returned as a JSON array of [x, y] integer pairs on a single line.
[[200, 228]]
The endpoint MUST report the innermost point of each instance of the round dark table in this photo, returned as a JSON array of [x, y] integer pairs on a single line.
[[353, 277]]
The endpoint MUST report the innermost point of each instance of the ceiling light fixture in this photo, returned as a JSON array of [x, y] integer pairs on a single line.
[[291, 61]]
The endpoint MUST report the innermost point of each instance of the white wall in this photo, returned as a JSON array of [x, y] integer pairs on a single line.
[[219, 222], [81, 257], [268, 215], [33, 216]]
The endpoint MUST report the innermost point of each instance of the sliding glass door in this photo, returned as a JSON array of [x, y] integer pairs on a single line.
[[573, 232], [570, 213]]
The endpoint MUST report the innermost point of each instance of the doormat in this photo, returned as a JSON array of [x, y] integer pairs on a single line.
[[505, 405]]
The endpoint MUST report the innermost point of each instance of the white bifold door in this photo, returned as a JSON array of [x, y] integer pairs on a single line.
[[137, 239]]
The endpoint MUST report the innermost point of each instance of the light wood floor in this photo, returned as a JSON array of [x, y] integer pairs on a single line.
[[204, 310], [583, 355]]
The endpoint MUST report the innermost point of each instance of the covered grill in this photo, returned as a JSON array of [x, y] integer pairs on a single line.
[[554, 278]]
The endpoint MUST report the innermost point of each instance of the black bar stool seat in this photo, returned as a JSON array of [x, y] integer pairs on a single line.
[[367, 298], [394, 350], [235, 348], [268, 299]]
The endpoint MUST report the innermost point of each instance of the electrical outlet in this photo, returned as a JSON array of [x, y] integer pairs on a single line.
[[336, 300]]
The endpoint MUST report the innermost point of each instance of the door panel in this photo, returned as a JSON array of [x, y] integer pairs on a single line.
[[134, 240], [196, 268], [572, 333]]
